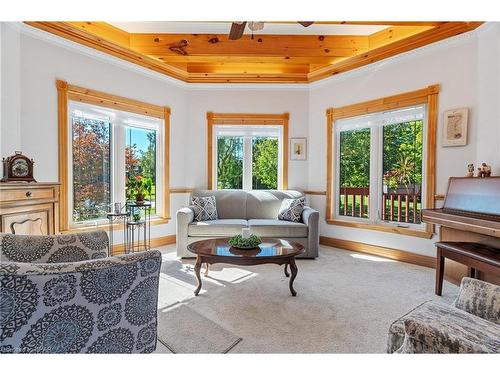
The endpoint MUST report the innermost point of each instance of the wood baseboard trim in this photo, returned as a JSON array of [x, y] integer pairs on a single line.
[[119, 249], [384, 252]]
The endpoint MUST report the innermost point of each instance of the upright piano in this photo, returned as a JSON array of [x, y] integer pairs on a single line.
[[469, 220]]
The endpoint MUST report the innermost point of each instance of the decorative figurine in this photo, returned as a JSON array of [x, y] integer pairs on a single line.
[[484, 170], [470, 170]]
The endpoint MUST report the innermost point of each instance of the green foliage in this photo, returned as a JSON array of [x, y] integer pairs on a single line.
[[265, 163], [355, 158], [139, 185], [245, 243], [229, 162], [403, 155]]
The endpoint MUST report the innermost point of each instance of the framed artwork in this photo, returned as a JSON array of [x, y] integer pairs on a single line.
[[298, 149], [455, 127]]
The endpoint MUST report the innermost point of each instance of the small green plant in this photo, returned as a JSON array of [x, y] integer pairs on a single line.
[[139, 187], [245, 243], [137, 216]]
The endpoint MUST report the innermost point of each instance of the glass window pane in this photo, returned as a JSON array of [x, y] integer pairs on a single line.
[[402, 172], [354, 173], [264, 163], [91, 140], [140, 164], [229, 162]]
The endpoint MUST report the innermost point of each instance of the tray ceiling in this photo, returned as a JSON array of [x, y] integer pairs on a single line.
[[283, 52]]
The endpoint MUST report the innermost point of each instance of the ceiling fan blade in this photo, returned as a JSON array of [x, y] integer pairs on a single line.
[[237, 29], [305, 23]]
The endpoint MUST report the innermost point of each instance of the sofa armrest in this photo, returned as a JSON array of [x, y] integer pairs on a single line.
[[479, 298], [185, 216], [115, 316], [310, 217], [433, 337], [58, 248]]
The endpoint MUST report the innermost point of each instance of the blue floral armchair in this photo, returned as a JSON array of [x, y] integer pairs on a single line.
[[63, 294]]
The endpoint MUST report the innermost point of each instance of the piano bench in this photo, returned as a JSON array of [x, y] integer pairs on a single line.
[[476, 256]]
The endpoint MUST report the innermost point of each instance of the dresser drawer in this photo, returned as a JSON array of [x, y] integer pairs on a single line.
[[27, 193]]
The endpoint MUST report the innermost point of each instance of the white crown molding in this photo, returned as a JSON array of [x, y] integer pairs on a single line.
[[446, 43]]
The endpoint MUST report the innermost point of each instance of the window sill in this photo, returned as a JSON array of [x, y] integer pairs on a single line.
[[425, 233], [117, 226]]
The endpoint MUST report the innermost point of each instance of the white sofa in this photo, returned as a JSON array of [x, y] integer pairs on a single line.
[[256, 209]]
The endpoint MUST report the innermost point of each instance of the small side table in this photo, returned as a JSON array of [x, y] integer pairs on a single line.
[[116, 218], [136, 228]]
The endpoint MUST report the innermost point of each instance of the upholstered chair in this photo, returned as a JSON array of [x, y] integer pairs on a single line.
[[64, 294], [470, 325]]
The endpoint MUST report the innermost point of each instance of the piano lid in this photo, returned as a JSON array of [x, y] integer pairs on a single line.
[[473, 195]]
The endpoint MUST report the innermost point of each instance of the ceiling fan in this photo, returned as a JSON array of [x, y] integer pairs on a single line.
[[237, 28]]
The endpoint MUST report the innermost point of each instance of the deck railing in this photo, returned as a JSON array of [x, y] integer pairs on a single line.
[[398, 207]]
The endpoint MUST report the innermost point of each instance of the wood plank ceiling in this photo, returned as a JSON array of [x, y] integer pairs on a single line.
[[265, 58]]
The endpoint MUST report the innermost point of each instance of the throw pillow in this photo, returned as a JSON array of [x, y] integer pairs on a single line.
[[291, 209], [205, 208]]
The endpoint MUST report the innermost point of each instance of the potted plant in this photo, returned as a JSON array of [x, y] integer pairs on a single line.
[[138, 187]]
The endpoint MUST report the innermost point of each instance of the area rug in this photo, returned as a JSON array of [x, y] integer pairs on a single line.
[[183, 330]]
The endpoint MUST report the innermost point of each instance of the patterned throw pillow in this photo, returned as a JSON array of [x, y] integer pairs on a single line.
[[291, 209], [205, 208]]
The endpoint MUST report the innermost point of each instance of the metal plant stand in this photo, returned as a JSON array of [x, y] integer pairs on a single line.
[[139, 232], [117, 218]]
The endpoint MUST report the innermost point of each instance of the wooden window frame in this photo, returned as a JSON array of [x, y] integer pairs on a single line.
[[247, 119], [427, 96], [67, 92]]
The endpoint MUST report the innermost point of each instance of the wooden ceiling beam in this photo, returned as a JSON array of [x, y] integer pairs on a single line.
[[438, 33], [105, 30], [261, 45], [299, 60], [247, 68], [393, 34], [78, 35]]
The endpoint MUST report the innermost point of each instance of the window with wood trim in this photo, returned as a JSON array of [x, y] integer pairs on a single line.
[[247, 151], [381, 160], [105, 142]]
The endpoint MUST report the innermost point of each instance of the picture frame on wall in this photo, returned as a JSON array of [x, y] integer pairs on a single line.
[[455, 127], [298, 149]]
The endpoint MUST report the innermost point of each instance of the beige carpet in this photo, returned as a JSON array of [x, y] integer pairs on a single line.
[[345, 301]]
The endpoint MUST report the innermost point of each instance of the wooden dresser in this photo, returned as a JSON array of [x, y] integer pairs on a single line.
[[29, 208]]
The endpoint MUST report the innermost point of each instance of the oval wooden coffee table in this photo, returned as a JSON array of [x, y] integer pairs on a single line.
[[271, 250]]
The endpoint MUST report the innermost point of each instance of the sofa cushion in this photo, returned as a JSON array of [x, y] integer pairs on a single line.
[[205, 208], [265, 204], [220, 227], [291, 209], [231, 204], [277, 228]]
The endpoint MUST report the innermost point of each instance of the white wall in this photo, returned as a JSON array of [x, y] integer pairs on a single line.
[[466, 67]]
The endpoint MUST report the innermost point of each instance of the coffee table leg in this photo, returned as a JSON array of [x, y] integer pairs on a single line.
[[287, 274], [293, 268], [206, 270], [197, 268]]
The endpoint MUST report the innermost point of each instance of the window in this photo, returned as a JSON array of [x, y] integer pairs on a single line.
[[381, 163], [247, 157], [110, 148], [247, 151], [380, 166]]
